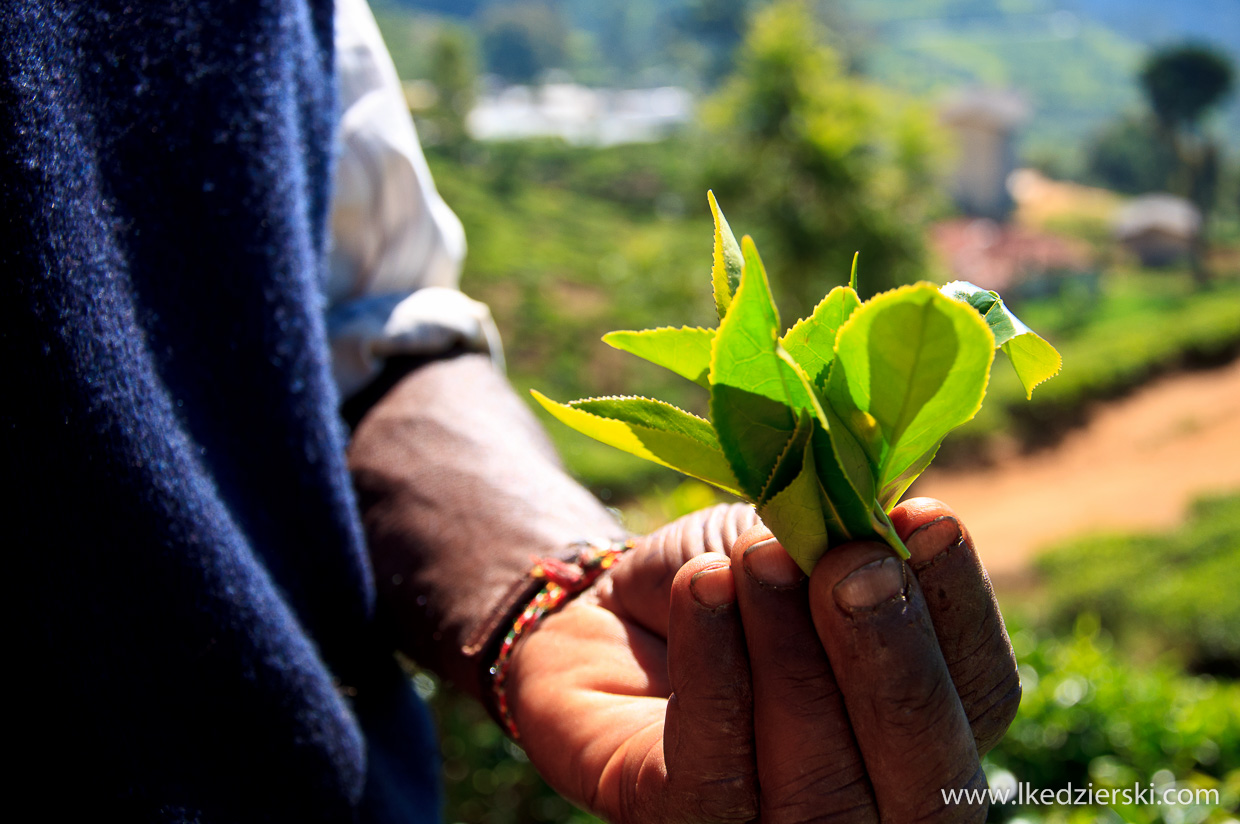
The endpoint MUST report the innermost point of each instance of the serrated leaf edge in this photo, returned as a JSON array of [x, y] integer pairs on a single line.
[[734, 489], [767, 494], [575, 404], [655, 329], [721, 284], [1036, 384]]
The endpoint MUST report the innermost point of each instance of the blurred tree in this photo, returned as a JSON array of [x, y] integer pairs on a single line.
[[453, 70], [1129, 156], [1185, 82], [825, 163], [1182, 84], [522, 40]]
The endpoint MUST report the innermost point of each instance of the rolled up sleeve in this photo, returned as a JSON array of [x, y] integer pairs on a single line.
[[397, 249]]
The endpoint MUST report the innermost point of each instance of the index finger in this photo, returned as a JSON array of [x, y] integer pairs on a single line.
[[910, 726], [966, 617]]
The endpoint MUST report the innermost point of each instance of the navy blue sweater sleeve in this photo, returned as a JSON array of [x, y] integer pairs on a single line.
[[191, 584]]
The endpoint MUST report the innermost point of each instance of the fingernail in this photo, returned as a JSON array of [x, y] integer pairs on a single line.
[[768, 564], [871, 585], [713, 587], [931, 540]]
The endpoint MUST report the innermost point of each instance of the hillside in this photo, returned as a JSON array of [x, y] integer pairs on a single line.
[[1157, 21], [1075, 60]]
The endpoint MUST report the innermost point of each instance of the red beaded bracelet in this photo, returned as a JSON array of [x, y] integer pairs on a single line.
[[564, 580]]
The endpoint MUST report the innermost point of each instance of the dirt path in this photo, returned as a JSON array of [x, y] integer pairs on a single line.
[[1134, 467]]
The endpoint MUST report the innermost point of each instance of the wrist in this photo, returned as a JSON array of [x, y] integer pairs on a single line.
[[457, 487], [558, 583]]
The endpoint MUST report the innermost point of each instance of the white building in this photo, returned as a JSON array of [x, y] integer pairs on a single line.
[[1159, 228], [579, 114], [984, 122]]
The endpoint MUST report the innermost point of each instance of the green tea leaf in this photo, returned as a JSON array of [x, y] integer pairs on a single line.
[[811, 341], [890, 494], [1034, 360], [650, 429], [847, 496], [755, 399], [685, 351], [798, 512], [729, 263], [917, 363], [789, 464], [846, 510], [824, 427], [858, 464]]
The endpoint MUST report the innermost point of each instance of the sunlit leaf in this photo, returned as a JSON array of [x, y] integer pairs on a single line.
[[649, 429], [725, 274], [798, 509], [755, 401], [811, 341], [917, 362], [1034, 360], [685, 351]]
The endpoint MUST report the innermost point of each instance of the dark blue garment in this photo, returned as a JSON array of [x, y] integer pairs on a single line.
[[191, 600]]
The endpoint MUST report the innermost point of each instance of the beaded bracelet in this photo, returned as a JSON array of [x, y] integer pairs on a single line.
[[564, 580]]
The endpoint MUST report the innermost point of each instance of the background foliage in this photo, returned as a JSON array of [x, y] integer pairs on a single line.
[[825, 163], [815, 138]]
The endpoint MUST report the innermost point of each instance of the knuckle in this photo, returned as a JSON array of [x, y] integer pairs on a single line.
[[990, 715], [828, 794], [916, 707], [803, 691], [731, 800], [980, 649]]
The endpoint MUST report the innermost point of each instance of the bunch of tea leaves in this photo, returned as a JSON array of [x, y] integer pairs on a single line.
[[825, 425]]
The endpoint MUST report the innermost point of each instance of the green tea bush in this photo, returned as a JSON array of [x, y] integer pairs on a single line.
[[1172, 593], [1091, 718]]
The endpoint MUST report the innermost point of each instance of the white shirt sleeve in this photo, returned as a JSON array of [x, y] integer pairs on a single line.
[[396, 248]]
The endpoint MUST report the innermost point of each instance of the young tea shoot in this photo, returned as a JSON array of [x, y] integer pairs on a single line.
[[823, 426]]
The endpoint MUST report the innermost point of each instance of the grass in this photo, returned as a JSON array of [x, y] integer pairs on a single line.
[[1090, 716]]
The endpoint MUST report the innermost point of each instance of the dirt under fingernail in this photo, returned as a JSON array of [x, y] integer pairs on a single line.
[[713, 587], [871, 585], [768, 564]]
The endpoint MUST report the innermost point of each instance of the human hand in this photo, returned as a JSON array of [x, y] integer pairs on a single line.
[[690, 686]]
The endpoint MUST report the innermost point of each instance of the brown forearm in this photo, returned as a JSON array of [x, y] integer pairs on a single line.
[[458, 488]]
